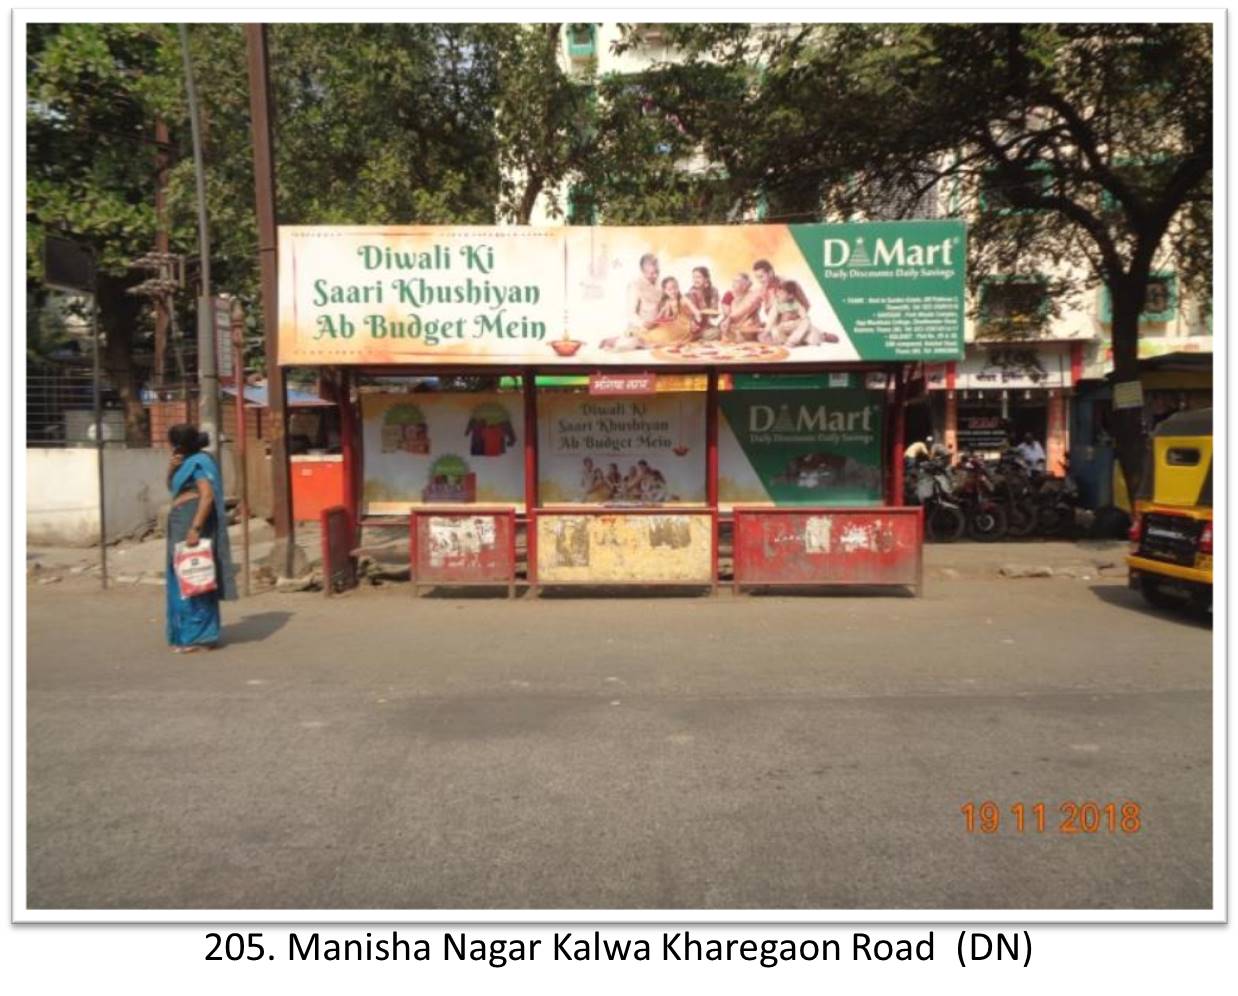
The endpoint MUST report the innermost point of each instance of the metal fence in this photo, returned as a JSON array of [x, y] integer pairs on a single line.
[[60, 409]]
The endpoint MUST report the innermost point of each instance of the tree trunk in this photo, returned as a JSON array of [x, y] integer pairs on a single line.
[[1128, 425], [118, 318], [528, 200]]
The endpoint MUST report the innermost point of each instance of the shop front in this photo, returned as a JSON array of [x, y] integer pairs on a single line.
[[1000, 393], [625, 394]]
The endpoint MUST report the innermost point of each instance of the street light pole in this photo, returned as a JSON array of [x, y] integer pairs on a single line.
[[97, 398], [208, 375], [284, 555]]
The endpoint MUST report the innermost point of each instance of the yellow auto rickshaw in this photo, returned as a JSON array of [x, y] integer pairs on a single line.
[[1171, 532]]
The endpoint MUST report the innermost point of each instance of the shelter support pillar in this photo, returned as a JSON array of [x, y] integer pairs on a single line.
[[897, 440], [528, 384]]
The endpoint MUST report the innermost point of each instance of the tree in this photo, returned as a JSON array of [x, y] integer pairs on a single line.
[[94, 90], [375, 124], [543, 117], [1096, 139]]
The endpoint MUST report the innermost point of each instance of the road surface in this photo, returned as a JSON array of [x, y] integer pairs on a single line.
[[766, 752]]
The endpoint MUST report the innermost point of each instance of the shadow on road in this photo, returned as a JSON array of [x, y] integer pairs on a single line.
[[1124, 598], [255, 628]]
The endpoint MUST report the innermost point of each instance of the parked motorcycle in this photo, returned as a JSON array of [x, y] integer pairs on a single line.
[[987, 521], [1056, 501], [1013, 485], [928, 483]]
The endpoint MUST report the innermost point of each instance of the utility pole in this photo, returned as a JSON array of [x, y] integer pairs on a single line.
[[208, 376], [284, 555], [242, 455], [163, 303]]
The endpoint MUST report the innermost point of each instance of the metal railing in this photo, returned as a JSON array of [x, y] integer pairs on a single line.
[[60, 409]]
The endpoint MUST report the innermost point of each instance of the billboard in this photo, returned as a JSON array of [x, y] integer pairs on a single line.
[[800, 447], [660, 296], [436, 449], [647, 450], [755, 294], [419, 295]]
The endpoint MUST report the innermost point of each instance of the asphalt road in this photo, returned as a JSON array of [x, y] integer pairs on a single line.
[[623, 752]]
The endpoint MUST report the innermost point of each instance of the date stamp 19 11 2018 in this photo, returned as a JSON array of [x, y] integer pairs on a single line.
[[1068, 818]]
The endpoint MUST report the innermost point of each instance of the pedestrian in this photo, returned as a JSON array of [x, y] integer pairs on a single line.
[[1032, 452], [197, 514]]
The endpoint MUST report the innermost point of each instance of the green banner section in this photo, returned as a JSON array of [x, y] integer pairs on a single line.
[[802, 447], [896, 287]]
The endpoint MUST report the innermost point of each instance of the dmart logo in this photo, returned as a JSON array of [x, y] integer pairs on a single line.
[[841, 252], [763, 418]]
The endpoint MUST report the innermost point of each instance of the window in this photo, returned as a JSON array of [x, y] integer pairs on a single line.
[[1013, 306], [581, 40], [1160, 304], [1181, 456], [1000, 192], [581, 205]]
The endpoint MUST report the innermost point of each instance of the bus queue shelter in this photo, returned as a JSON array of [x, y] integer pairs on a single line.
[[607, 392]]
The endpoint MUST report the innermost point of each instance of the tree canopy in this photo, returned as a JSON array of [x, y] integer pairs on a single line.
[[1078, 148], [1083, 149]]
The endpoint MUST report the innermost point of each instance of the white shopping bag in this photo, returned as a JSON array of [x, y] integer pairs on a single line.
[[195, 568]]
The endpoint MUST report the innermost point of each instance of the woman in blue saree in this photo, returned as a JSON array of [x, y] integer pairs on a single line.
[[197, 513]]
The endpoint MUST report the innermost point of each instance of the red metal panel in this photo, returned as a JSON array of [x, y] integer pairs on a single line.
[[829, 546], [339, 566], [462, 546]]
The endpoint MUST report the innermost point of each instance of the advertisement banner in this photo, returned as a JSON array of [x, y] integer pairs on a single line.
[[650, 297], [800, 447], [647, 450], [437, 449], [744, 294], [447, 295]]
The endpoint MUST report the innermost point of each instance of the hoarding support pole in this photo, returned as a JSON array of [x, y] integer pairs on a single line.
[[897, 444], [283, 555], [711, 440]]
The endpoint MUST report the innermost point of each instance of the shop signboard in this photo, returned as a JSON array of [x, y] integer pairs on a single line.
[[647, 450], [436, 449], [1004, 368], [800, 447], [649, 297], [982, 429]]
